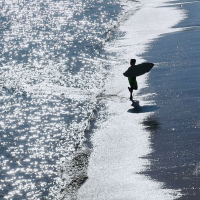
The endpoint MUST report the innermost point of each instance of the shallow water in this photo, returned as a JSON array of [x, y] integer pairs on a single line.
[[123, 142]]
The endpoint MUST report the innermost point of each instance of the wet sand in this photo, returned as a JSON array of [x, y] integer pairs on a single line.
[[175, 142]]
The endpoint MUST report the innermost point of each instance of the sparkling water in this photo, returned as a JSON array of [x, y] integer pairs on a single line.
[[52, 69]]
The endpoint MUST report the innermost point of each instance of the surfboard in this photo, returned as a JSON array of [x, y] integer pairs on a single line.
[[138, 70]]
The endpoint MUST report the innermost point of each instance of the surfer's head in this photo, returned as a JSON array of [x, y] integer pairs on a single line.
[[132, 62]]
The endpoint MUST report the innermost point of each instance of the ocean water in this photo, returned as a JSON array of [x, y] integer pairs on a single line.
[[52, 68]]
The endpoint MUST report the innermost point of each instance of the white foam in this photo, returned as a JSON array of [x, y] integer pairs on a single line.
[[120, 142]]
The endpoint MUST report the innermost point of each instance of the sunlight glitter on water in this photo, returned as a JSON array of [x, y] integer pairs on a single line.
[[51, 72]]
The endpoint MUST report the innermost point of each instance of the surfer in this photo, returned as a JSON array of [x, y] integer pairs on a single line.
[[132, 81]]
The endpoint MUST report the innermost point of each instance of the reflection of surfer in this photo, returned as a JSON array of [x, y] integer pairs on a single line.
[[132, 81]]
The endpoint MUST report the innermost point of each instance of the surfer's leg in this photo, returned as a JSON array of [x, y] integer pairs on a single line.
[[132, 84], [131, 93], [135, 85]]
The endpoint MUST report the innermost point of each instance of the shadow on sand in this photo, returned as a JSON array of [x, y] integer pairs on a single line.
[[141, 109]]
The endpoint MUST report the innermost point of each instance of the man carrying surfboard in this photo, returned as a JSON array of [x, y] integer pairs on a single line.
[[132, 81], [136, 70]]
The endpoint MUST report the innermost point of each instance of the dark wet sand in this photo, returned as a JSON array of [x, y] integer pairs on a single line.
[[175, 126]]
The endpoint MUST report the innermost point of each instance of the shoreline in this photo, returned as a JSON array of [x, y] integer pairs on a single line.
[[175, 157], [120, 143]]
